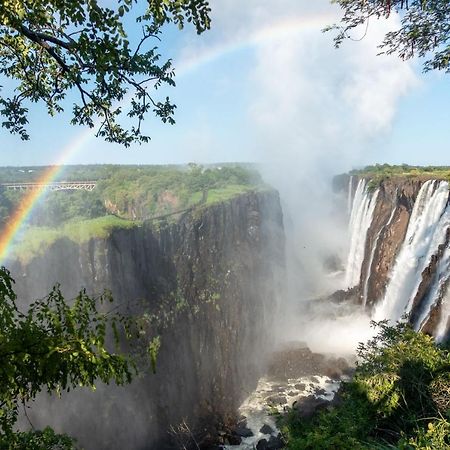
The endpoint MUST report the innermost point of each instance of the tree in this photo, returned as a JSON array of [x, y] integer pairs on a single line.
[[56, 347], [49, 48], [424, 30]]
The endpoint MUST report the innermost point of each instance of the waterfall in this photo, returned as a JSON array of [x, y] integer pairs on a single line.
[[441, 328], [438, 287], [360, 219], [372, 255], [427, 228], [349, 195]]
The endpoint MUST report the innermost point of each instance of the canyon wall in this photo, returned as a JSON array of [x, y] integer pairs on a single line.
[[400, 233], [213, 279]]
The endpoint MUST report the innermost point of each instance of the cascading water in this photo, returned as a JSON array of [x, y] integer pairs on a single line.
[[349, 194], [361, 217], [442, 327], [426, 231], [372, 255]]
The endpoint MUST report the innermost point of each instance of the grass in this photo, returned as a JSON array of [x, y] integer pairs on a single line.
[[382, 172], [226, 193], [37, 239]]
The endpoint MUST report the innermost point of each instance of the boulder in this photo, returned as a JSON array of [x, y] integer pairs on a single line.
[[266, 429]]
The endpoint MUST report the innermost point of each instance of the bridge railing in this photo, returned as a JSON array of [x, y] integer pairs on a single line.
[[53, 186]]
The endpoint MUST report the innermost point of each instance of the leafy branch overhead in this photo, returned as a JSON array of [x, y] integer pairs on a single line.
[[49, 48], [57, 347], [424, 29]]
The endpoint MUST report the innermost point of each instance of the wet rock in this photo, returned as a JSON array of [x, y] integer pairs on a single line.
[[315, 380], [307, 406], [300, 386], [243, 431], [291, 394], [320, 392], [262, 445], [295, 362], [234, 439], [275, 443], [277, 400], [266, 429]]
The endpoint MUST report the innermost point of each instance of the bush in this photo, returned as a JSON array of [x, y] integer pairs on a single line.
[[398, 398]]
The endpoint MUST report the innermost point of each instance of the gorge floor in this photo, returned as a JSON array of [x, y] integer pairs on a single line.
[[296, 379]]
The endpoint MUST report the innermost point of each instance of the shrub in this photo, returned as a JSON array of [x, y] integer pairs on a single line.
[[399, 398]]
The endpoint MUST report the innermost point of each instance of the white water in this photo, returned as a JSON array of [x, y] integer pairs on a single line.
[[257, 407], [361, 217], [437, 289], [349, 195], [445, 313], [426, 231]]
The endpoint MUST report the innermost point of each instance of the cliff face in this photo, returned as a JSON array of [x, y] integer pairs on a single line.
[[405, 265], [395, 202], [213, 280]]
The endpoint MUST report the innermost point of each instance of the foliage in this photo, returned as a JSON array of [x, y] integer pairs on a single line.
[[56, 347], [424, 30], [380, 172], [37, 239], [49, 48], [131, 192], [46, 439], [399, 398]]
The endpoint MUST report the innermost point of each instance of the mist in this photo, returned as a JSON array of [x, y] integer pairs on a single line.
[[316, 112]]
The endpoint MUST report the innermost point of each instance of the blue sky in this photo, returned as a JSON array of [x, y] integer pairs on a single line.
[[274, 97]]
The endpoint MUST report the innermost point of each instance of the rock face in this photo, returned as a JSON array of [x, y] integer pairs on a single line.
[[388, 234], [213, 280]]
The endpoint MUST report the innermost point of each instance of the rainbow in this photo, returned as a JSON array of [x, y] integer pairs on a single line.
[[279, 30], [24, 209]]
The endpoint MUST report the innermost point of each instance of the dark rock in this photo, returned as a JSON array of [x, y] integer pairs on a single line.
[[275, 443], [320, 392], [234, 439], [266, 429], [291, 394], [296, 362], [243, 431], [315, 380], [307, 406], [300, 386], [277, 400], [262, 445]]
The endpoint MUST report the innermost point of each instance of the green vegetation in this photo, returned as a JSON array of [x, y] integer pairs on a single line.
[[381, 172], [123, 198], [424, 29], [37, 239], [54, 48], [55, 347], [399, 397]]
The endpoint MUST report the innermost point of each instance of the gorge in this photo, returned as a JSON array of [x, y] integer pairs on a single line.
[[210, 279], [211, 282]]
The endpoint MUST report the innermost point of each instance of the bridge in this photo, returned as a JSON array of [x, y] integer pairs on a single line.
[[56, 186]]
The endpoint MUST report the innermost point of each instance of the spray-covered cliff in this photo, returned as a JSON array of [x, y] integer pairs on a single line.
[[211, 282], [399, 257]]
